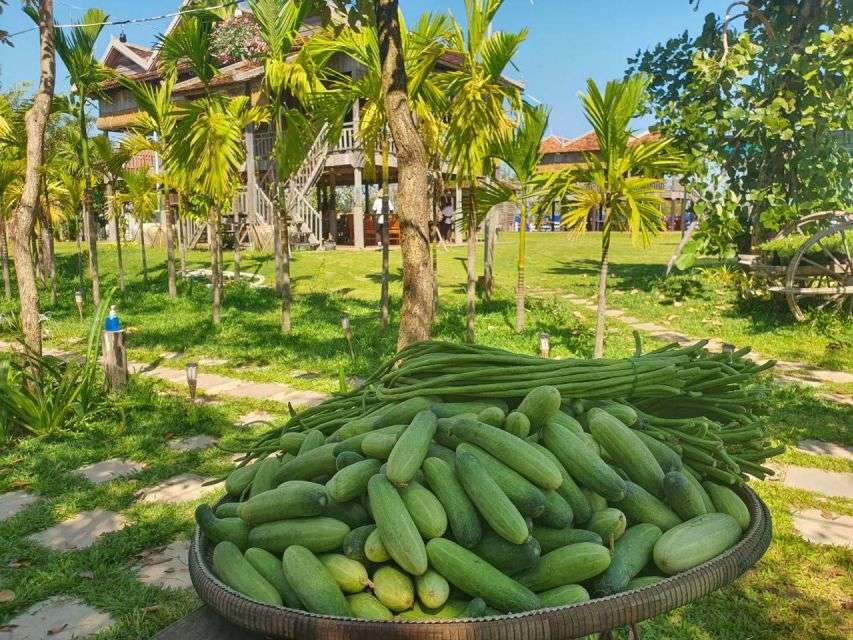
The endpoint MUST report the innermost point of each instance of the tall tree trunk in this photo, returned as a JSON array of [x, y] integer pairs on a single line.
[[602, 292], [24, 216], [116, 215], [435, 239], [169, 221], [488, 257], [522, 251], [237, 229], [472, 265], [215, 266], [89, 209], [48, 251], [79, 239], [412, 179], [144, 256], [4, 258], [182, 238], [286, 292], [385, 294]]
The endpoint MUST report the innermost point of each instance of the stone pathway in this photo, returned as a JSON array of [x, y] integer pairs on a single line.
[[824, 527], [81, 531], [166, 567], [57, 618], [183, 488], [825, 449], [14, 502], [193, 443], [101, 472], [835, 484]]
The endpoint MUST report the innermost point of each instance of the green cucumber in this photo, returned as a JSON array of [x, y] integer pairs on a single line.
[[494, 416], [667, 458], [264, 479], [397, 530], [228, 510], [581, 463], [313, 439], [474, 609], [316, 534], [609, 523], [234, 570], [353, 443], [517, 424], [460, 511], [453, 409], [567, 421], [567, 565], [514, 452], [317, 462], [682, 495], [476, 577], [596, 502], [367, 607], [350, 574], [727, 501], [379, 444], [346, 458], [540, 404], [562, 596], [351, 481], [642, 581], [639, 505], [628, 451], [443, 431], [411, 448], [506, 556], [696, 541], [313, 583], [292, 499], [432, 589], [625, 414], [550, 539], [352, 512], [581, 509], [353, 542], [426, 510], [290, 441], [631, 553], [393, 588], [232, 530], [240, 479], [269, 566], [696, 481], [491, 502], [374, 550], [558, 512], [439, 451], [527, 497]]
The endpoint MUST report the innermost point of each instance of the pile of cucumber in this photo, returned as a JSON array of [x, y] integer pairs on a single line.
[[439, 506]]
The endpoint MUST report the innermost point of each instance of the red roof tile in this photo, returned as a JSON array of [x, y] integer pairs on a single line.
[[587, 142]]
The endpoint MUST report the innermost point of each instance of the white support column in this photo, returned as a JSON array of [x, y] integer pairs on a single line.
[[251, 176], [357, 197], [457, 236]]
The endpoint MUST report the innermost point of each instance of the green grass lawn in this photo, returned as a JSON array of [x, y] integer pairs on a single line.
[[797, 591]]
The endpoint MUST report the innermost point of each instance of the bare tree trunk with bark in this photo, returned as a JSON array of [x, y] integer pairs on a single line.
[[4, 258], [169, 222], [286, 293], [24, 216], [602, 295], [144, 256], [412, 178], [119, 258], [215, 265], [385, 294], [522, 255], [472, 266], [489, 238], [48, 252]]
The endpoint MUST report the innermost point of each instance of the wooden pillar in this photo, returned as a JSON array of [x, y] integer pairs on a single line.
[[457, 236], [115, 360], [251, 176], [333, 208], [358, 199]]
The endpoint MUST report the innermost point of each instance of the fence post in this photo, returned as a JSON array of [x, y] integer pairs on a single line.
[[115, 360]]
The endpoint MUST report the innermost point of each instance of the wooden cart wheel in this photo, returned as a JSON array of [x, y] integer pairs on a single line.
[[822, 268], [812, 223]]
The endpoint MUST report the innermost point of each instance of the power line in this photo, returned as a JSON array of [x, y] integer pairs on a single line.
[[106, 23]]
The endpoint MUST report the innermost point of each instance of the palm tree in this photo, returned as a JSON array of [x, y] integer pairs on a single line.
[[478, 92], [518, 149], [139, 191], [279, 22], [153, 130], [11, 170], [108, 162], [362, 46], [619, 179], [76, 48]]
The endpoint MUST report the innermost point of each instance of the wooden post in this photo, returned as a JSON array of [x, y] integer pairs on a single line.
[[115, 360], [489, 256]]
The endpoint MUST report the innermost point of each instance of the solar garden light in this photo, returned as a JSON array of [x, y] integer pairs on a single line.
[[78, 300], [345, 325], [728, 349], [545, 345], [192, 378]]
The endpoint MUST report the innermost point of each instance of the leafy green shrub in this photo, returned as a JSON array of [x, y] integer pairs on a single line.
[[679, 286], [785, 247]]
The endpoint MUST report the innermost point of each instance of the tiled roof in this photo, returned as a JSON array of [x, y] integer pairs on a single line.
[[587, 142]]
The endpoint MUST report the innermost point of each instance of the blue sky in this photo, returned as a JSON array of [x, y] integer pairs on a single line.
[[569, 40]]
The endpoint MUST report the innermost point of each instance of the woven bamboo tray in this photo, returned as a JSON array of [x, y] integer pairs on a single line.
[[560, 623]]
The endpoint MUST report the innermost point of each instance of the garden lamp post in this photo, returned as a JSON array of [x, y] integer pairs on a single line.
[[78, 300], [345, 325], [192, 378], [545, 345]]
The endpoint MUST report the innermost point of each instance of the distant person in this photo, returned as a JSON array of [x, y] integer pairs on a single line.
[[445, 225], [380, 216]]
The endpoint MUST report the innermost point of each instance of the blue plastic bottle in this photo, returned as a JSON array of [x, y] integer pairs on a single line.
[[112, 323]]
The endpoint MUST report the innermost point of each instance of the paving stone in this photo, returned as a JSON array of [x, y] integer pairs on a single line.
[[829, 483], [15, 501], [629, 320], [212, 362], [824, 527], [166, 567], [81, 531], [193, 443], [171, 355], [299, 398], [614, 313], [672, 336], [183, 488], [212, 384], [100, 472], [254, 416], [648, 326], [826, 449], [59, 618]]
